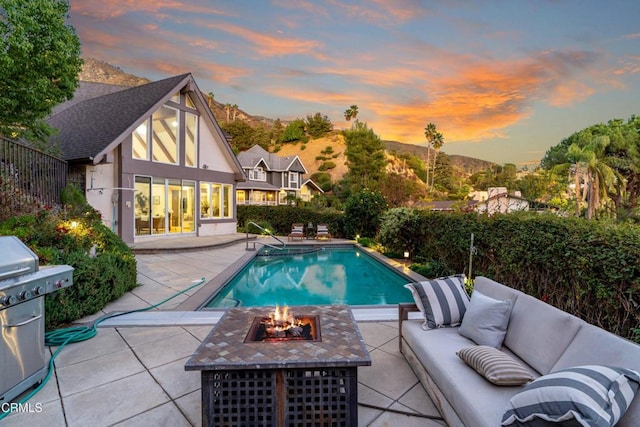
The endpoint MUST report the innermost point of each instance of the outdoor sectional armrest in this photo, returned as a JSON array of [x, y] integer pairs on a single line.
[[404, 308]]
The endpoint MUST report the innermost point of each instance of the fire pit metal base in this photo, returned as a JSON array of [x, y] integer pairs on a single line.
[[297, 397], [286, 383]]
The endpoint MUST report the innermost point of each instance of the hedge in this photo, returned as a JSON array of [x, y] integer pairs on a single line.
[[587, 268], [280, 218]]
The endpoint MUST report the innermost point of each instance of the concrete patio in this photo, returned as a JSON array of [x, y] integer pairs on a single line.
[[132, 372]]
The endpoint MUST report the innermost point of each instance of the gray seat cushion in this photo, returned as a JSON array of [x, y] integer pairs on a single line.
[[539, 333], [476, 401]]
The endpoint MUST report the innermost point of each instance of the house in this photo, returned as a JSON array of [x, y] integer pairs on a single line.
[[273, 180], [152, 158], [500, 201]]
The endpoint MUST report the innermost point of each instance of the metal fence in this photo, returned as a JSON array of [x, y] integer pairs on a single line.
[[29, 176]]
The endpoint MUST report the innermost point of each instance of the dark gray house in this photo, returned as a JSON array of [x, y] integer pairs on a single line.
[[271, 178]]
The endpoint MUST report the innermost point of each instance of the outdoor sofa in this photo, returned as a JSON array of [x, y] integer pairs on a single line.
[[540, 341]]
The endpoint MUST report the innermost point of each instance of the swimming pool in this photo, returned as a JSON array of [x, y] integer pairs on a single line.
[[327, 275]]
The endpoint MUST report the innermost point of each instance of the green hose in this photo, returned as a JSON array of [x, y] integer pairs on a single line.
[[62, 337]]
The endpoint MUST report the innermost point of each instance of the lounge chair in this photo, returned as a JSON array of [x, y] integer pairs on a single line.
[[323, 232], [297, 231]]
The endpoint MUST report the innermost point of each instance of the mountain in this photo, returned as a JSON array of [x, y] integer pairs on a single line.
[[468, 165]]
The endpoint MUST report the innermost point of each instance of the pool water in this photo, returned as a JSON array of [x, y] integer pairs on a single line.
[[328, 276]]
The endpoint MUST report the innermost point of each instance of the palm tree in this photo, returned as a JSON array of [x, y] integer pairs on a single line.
[[351, 112], [210, 100], [227, 108], [235, 111], [438, 142], [593, 177], [433, 137]]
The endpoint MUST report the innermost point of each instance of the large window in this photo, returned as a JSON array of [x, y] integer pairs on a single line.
[[164, 206], [215, 200], [164, 135], [140, 142], [191, 140]]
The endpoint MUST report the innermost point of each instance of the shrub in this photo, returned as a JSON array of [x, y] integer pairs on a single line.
[[362, 213], [59, 238]]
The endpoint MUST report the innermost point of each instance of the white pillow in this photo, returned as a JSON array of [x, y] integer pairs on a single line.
[[486, 319], [442, 301], [588, 396]]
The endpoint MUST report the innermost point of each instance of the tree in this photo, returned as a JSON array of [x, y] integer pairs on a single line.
[[430, 133], [351, 112], [362, 213], [318, 125], [210, 97], [365, 157], [294, 131], [438, 142], [39, 64]]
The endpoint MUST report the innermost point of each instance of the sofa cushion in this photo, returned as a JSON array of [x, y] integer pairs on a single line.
[[590, 396], [485, 321], [443, 301], [593, 345], [496, 290], [477, 402], [494, 365], [539, 333]]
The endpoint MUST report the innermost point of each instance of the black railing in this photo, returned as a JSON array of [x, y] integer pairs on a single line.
[[29, 176]]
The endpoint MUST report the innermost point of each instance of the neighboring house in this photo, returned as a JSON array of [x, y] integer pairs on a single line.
[[152, 158], [271, 178], [499, 201]]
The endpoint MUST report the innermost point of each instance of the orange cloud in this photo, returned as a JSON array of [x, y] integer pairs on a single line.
[[104, 9], [269, 45]]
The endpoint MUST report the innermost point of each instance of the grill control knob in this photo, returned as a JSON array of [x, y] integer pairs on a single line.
[[24, 295], [38, 290], [8, 300]]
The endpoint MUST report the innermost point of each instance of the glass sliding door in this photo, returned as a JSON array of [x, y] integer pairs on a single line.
[[188, 206], [175, 205], [158, 206], [142, 206]]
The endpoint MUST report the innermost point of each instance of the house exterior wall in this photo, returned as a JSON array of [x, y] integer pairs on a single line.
[[101, 193], [217, 170]]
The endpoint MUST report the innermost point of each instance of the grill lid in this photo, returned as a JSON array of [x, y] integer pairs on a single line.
[[16, 258]]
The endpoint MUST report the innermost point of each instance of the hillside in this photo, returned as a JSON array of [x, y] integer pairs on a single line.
[[469, 165]]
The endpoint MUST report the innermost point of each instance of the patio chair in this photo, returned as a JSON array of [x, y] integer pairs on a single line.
[[297, 231], [323, 232]]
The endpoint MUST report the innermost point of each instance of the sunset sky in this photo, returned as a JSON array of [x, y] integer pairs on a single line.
[[502, 80]]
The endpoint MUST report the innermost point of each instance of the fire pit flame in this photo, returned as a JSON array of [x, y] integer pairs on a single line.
[[282, 325]]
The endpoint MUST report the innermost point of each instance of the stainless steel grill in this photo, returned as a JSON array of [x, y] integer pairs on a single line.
[[23, 285]]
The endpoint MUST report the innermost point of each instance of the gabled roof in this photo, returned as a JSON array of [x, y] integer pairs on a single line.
[[88, 127], [312, 184], [252, 157]]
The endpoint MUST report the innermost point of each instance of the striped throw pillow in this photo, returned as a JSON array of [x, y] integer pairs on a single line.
[[590, 396], [497, 367], [443, 301]]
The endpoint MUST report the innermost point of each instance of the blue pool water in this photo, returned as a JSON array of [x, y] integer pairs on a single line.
[[328, 276]]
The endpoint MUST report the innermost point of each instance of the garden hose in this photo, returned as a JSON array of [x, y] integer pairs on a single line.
[[73, 334]]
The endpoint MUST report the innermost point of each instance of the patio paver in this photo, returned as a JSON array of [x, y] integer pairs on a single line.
[[134, 375]]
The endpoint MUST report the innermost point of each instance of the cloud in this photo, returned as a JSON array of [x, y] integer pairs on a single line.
[[269, 45], [105, 9]]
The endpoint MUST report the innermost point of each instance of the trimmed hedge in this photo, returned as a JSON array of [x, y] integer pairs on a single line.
[[587, 268], [281, 218]]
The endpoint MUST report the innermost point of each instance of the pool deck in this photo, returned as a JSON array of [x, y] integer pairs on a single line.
[[132, 373]]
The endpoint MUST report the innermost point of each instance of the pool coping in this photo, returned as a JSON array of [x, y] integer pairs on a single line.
[[205, 293]]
